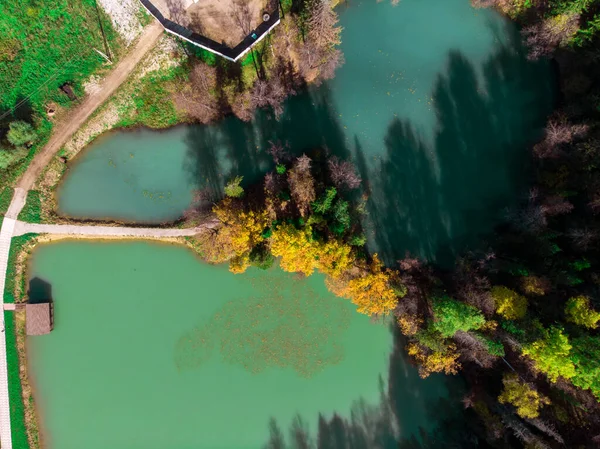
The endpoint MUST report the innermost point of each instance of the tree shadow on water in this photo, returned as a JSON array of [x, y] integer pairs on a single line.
[[435, 199], [411, 413], [231, 147]]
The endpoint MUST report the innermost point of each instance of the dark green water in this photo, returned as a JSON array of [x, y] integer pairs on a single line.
[[436, 104], [153, 349]]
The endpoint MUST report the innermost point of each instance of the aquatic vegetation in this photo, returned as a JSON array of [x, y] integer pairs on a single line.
[[281, 327]]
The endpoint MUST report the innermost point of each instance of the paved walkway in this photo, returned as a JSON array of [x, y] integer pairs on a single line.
[[8, 225]]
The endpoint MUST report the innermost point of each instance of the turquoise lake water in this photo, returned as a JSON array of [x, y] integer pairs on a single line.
[[152, 348], [436, 104]]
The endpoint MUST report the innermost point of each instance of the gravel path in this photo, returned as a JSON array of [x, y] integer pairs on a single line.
[[22, 227]]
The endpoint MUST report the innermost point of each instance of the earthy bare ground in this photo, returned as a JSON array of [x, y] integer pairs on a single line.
[[227, 21], [81, 113]]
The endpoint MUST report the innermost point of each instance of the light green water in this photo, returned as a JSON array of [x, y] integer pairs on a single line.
[[436, 104], [152, 349]]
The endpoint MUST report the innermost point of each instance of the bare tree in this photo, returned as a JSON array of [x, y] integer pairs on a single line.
[[197, 100], [322, 24], [558, 132], [544, 37], [318, 54], [582, 237], [343, 173], [270, 93], [556, 205], [302, 184], [278, 152]]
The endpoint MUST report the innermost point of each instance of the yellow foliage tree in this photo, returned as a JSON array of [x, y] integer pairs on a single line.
[[245, 228], [579, 311], [295, 247], [527, 400], [239, 264], [509, 303], [214, 245], [445, 361], [409, 324], [334, 257], [533, 285], [372, 292]]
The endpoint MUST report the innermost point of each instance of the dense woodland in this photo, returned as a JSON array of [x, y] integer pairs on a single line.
[[518, 318]]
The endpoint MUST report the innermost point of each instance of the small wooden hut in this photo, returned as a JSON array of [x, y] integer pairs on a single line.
[[38, 318]]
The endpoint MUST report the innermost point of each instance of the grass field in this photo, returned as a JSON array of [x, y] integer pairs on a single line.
[[43, 45]]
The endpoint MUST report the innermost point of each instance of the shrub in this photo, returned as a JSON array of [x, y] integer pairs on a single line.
[[233, 188], [11, 157], [21, 133]]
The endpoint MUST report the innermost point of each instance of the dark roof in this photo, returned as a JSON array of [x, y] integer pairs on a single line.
[[38, 318], [203, 41]]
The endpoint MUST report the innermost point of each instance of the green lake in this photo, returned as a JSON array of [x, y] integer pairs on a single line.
[[152, 349], [436, 104]]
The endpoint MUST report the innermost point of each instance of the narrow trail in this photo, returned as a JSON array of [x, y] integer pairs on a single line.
[[60, 135], [81, 113], [21, 227]]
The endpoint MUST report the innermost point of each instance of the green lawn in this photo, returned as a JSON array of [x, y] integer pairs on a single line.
[[43, 45]]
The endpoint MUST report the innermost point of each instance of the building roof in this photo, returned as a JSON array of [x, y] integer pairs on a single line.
[[38, 318]]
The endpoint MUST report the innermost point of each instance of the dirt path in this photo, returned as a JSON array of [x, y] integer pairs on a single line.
[[21, 227], [81, 113]]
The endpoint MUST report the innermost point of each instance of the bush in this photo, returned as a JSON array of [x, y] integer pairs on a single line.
[[11, 157], [452, 316], [233, 188], [21, 133]]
